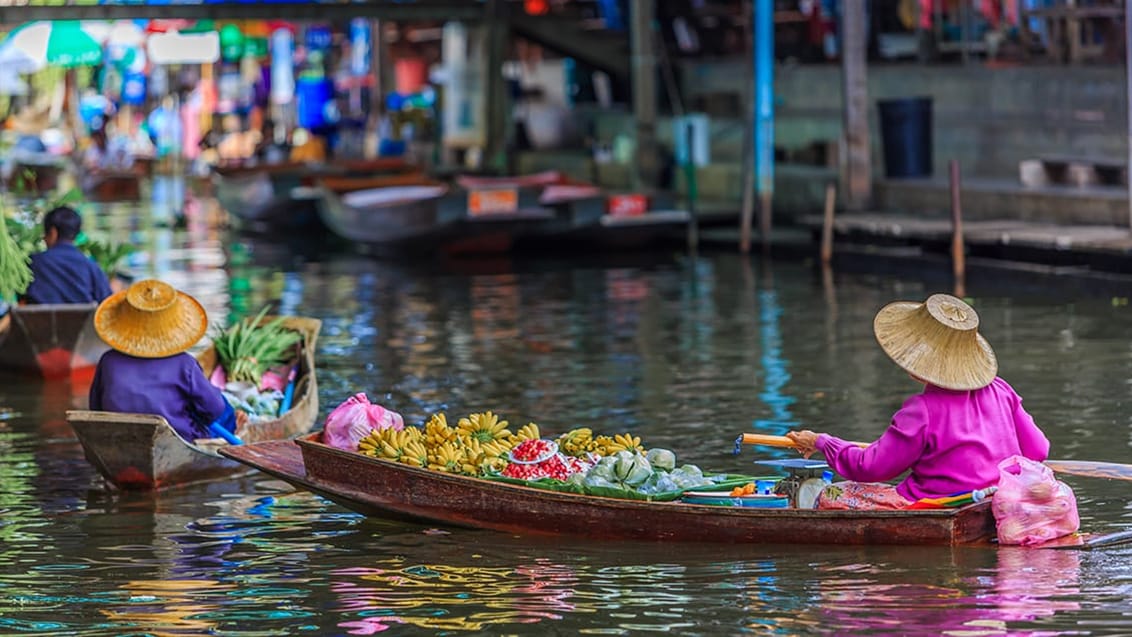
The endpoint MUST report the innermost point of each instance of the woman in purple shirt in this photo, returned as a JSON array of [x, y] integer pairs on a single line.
[[149, 326], [950, 438]]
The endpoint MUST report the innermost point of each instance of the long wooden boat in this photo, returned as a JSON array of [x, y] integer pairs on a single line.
[[260, 198], [49, 341], [143, 452], [585, 221], [342, 184], [382, 488], [425, 220], [34, 177], [112, 185]]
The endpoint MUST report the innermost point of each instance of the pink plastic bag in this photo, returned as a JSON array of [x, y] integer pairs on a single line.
[[354, 419], [1031, 506]]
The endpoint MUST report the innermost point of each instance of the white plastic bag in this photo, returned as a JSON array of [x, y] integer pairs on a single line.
[[354, 419], [1031, 506]]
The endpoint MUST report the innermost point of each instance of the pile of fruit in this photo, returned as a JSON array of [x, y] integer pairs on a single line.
[[482, 445]]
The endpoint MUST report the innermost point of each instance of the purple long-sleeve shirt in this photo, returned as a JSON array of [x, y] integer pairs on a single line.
[[952, 441], [174, 387]]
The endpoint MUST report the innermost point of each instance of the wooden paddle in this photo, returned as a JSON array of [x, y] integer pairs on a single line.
[[1110, 470]]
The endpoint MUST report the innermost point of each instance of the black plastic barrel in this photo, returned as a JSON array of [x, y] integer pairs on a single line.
[[906, 135]]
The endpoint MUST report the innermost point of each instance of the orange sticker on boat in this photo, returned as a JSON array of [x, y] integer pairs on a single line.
[[493, 201], [628, 205]]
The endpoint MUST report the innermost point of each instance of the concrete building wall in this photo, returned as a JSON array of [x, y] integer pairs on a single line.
[[988, 118]]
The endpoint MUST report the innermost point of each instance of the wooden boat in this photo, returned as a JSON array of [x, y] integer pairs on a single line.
[[35, 177], [586, 220], [50, 341], [341, 184], [261, 198], [382, 488], [424, 220], [143, 452], [112, 185]]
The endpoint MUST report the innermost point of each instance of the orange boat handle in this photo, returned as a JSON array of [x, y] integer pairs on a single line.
[[775, 441]]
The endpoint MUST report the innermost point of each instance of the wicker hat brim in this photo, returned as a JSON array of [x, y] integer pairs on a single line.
[[933, 352], [150, 334]]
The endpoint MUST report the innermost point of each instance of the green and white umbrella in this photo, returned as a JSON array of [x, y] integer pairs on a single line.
[[64, 43]]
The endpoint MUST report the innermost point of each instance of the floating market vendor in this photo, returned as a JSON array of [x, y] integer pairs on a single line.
[[62, 273], [950, 438], [150, 326]]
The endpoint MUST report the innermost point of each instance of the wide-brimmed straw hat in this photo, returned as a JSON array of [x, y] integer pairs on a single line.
[[937, 341], [150, 319]]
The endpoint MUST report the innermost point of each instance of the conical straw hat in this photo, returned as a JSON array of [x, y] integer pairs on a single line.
[[150, 319], [937, 341]]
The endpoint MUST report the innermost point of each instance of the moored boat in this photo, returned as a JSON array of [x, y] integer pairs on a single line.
[[342, 184], [112, 185], [49, 341], [383, 488], [261, 197], [429, 219], [588, 219], [143, 452]]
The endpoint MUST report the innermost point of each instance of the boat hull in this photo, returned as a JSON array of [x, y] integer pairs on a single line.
[[582, 225], [387, 489], [114, 186], [425, 220], [141, 452], [50, 341]]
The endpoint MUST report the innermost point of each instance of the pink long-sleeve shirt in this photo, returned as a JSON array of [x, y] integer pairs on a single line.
[[952, 441]]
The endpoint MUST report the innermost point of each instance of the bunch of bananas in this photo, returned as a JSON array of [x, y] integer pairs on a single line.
[[437, 432], [479, 444], [528, 431], [483, 427], [404, 445], [577, 442]]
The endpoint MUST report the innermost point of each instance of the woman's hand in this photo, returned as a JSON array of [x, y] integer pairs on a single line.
[[805, 440], [241, 419]]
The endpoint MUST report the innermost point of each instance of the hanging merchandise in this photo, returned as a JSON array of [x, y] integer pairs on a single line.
[[319, 37], [159, 82], [361, 45], [313, 95], [228, 89], [231, 43], [133, 88], [282, 71]]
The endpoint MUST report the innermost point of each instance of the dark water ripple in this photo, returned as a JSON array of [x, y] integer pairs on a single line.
[[685, 353]]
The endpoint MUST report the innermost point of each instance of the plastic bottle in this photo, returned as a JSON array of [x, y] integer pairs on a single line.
[[811, 488], [978, 495]]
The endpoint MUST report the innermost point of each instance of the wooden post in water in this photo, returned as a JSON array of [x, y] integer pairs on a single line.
[[958, 259], [827, 224], [1128, 95], [857, 170], [690, 176]]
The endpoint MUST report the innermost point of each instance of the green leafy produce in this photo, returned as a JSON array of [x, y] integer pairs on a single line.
[[631, 468], [15, 273], [250, 347], [661, 459], [107, 255]]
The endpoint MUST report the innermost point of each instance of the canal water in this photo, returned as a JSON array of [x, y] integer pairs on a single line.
[[685, 352]]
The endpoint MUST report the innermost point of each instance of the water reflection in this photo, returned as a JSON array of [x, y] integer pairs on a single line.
[[683, 352], [980, 592]]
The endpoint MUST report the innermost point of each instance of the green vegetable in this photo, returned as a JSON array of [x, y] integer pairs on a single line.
[[249, 348], [631, 468], [107, 255], [15, 273], [661, 459]]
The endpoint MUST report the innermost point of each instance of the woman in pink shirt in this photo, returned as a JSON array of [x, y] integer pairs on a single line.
[[951, 437]]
